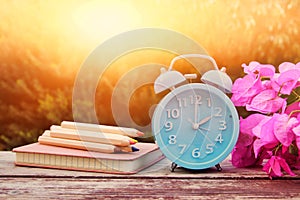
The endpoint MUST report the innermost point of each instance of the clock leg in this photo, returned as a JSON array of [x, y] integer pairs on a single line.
[[173, 167], [218, 166]]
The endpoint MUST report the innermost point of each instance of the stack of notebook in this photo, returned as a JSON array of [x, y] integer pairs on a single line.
[[89, 147]]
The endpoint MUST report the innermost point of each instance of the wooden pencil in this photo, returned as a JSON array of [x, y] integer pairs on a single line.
[[131, 132], [76, 144], [90, 136]]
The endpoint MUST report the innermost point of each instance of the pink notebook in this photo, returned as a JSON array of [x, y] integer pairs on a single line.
[[39, 155]]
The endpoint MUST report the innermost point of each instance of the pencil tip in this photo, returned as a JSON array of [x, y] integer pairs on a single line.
[[134, 149], [132, 141], [139, 133]]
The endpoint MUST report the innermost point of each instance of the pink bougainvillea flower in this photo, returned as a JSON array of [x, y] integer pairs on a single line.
[[265, 124], [251, 68], [288, 78], [247, 124], [243, 154], [291, 155], [283, 125], [263, 70], [267, 71], [264, 131], [286, 81], [274, 165], [266, 101], [286, 66], [244, 89], [257, 146], [244, 140], [296, 131], [272, 133], [292, 107], [247, 136]]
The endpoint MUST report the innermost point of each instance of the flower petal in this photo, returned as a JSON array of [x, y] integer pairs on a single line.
[[296, 130], [267, 70], [272, 167], [251, 68], [276, 167], [257, 147], [283, 128], [287, 81], [261, 69], [285, 66], [247, 124], [244, 140], [243, 157], [266, 102], [265, 130], [285, 166], [244, 89]]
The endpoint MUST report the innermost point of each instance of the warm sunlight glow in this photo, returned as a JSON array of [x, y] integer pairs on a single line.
[[98, 20], [43, 44]]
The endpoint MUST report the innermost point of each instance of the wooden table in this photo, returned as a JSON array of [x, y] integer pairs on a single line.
[[155, 182]]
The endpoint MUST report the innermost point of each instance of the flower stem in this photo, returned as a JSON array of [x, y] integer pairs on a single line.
[[293, 112], [297, 95], [278, 147], [294, 96]]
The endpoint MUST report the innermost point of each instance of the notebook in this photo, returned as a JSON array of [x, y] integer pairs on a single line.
[[46, 156]]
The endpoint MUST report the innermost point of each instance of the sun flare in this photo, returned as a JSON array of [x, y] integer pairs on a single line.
[[97, 20]]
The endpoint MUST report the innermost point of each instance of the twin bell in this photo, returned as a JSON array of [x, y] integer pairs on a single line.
[[170, 79]]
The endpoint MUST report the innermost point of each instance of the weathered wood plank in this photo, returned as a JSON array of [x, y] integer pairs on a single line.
[[156, 182], [169, 188], [161, 169]]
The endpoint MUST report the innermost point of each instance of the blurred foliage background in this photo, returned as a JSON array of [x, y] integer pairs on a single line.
[[43, 44]]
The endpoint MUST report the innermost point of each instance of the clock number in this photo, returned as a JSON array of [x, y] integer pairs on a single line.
[[222, 125], [218, 112], [192, 99], [173, 113], [183, 147], [172, 139], [198, 99], [196, 153], [168, 126], [182, 102], [195, 99], [219, 138], [208, 102], [209, 148]]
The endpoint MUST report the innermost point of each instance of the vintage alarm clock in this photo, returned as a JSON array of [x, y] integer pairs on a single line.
[[195, 125]]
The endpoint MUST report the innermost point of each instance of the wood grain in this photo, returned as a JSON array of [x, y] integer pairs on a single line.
[[156, 182], [169, 188]]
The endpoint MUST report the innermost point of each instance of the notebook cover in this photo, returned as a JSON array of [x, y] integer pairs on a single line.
[[145, 148], [54, 150]]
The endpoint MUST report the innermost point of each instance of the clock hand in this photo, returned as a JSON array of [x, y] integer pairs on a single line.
[[206, 129], [195, 126], [203, 121], [195, 113]]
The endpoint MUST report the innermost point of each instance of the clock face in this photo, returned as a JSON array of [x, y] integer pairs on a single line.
[[196, 126]]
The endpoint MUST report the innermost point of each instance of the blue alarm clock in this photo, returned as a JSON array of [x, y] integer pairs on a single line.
[[195, 125]]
